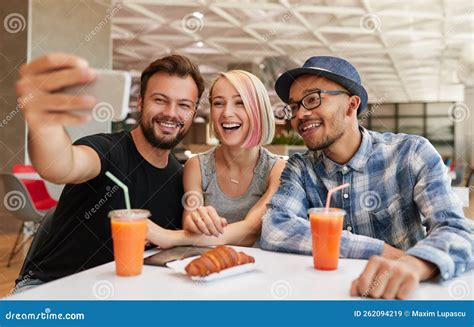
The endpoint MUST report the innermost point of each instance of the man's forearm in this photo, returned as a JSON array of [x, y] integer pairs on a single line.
[[391, 252], [425, 270], [50, 151]]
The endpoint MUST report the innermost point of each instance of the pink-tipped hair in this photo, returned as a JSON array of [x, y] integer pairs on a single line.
[[257, 105]]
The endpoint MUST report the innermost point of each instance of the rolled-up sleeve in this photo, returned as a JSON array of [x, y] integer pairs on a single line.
[[450, 241]]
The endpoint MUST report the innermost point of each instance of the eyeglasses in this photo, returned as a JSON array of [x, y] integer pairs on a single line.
[[310, 101]]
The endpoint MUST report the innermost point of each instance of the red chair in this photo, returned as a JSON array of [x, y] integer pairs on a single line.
[[36, 187]]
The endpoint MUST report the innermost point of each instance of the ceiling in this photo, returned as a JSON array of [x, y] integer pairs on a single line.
[[406, 51]]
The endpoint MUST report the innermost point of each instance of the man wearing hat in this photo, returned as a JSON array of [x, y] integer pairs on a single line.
[[401, 213]]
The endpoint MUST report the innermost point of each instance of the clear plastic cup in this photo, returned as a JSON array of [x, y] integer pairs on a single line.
[[326, 228], [129, 228]]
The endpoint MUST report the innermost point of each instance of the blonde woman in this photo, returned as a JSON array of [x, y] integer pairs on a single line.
[[227, 188]]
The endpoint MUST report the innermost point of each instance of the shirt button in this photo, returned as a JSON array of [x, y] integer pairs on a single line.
[[345, 168], [349, 228], [345, 195]]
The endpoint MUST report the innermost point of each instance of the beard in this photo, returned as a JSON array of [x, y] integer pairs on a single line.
[[325, 143], [332, 134], [162, 142]]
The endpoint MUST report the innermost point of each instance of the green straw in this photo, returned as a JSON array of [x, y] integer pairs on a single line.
[[122, 185]]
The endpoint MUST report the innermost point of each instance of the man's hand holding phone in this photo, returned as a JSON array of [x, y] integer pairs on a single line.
[[61, 89], [58, 90], [38, 86]]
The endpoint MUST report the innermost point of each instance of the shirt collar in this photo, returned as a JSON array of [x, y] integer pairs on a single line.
[[358, 160]]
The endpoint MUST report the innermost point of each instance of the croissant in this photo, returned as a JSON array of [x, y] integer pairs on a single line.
[[215, 260]]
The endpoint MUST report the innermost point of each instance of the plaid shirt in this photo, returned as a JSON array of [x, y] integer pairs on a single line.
[[399, 193]]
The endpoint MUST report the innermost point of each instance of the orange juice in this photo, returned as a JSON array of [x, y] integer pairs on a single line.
[[326, 228], [129, 229]]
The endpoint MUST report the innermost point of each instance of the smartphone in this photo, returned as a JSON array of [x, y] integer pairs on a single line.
[[177, 253], [111, 88]]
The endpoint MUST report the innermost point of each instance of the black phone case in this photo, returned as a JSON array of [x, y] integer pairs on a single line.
[[177, 253]]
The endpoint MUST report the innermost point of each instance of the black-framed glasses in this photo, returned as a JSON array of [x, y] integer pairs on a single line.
[[310, 101]]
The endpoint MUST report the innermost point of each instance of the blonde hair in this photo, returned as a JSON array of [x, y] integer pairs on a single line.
[[257, 106]]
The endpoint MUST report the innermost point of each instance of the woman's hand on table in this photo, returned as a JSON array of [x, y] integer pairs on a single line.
[[205, 220], [392, 278]]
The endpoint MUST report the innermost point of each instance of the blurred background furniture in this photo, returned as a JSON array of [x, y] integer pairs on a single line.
[[27, 201], [35, 185], [39, 238]]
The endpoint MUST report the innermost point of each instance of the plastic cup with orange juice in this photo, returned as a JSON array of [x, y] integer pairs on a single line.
[[326, 228], [129, 228]]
